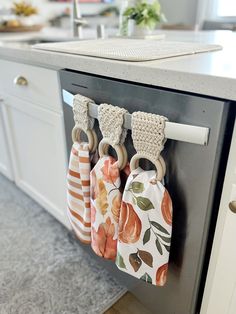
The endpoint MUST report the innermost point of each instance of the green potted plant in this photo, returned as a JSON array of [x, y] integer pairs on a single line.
[[142, 17], [25, 12]]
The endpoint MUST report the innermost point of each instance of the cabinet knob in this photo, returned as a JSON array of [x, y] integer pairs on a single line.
[[20, 80], [232, 206]]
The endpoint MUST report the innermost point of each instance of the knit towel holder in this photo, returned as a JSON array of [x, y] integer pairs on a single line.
[[83, 123], [149, 139], [111, 121]]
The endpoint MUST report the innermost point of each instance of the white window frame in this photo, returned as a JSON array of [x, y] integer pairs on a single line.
[[211, 12], [207, 11]]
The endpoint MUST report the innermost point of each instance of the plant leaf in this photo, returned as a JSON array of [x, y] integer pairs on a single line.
[[120, 261], [137, 187], [159, 227], [115, 209], [146, 236], [166, 239], [167, 248], [101, 200], [146, 278], [134, 201], [144, 203], [145, 14], [135, 261], [146, 257], [158, 245]]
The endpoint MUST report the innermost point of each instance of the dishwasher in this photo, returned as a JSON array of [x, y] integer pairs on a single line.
[[194, 178]]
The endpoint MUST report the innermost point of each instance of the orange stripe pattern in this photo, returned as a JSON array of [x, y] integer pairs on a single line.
[[78, 192]]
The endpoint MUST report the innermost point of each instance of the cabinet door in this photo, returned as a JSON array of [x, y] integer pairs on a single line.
[[37, 144], [220, 291], [5, 162]]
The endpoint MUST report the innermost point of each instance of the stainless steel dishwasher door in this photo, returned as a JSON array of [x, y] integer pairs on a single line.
[[193, 180]]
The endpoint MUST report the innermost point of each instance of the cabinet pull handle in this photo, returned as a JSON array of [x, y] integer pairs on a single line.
[[20, 80], [232, 206]]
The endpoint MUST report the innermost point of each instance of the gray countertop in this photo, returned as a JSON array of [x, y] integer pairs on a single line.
[[211, 73]]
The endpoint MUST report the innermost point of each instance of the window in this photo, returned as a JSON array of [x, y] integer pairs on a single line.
[[225, 8], [220, 11]]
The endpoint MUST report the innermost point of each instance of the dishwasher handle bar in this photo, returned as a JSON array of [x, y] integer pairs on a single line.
[[174, 131]]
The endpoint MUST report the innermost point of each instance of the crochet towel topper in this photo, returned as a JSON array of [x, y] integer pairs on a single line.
[[83, 122], [111, 121], [149, 139]]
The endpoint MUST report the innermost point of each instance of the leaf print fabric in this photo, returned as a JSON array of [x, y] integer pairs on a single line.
[[161, 275], [103, 242], [106, 195], [145, 226], [110, 171], [129, 225], [101, 199]]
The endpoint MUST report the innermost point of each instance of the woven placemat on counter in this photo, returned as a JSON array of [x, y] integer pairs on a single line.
[[128, 49]]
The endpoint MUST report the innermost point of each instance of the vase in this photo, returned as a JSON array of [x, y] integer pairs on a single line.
[[123, 21], [137, 31], [28, 20]]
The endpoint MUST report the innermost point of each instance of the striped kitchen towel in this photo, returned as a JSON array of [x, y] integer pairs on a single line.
[[78, 191]]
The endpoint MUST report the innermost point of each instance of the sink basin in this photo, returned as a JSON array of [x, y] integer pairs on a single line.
[[44, 40]]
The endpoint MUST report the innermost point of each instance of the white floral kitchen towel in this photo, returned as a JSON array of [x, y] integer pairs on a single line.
[[145, 227], [106, 194]]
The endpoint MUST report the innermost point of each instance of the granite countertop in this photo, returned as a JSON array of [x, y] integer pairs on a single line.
[[211, 73]]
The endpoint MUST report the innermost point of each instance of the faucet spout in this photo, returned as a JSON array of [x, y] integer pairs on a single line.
[[77, 21]]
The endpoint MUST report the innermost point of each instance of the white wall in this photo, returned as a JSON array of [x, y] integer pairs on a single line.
[[180, 11], [176, 11]]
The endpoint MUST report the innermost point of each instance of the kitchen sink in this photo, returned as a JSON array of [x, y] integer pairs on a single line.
[[36, 39], [43, 40]]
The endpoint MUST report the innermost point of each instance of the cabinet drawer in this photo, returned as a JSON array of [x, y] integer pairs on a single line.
[[42, 84]]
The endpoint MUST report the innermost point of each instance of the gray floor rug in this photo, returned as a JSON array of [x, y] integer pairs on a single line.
[[43, 268]]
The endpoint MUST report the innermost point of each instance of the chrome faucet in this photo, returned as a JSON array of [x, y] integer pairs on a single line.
[[77, 21]]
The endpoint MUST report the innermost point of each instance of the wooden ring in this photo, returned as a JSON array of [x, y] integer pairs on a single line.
[[125, 156], [105, 150], [95, 141], [162, 161], [120, 150], [134, 163], [91, 135]]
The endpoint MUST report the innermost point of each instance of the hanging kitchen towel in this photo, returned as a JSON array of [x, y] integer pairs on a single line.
[[145, 222], [106, 183], [78, 177]]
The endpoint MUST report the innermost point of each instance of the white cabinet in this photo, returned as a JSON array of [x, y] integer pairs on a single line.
[[42, 84], [220, 291], [5, 158], [32, 126], [37, 146]]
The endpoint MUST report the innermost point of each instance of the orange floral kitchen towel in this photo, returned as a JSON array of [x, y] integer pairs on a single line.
[[78, 191], [106, 194], [145, 227]]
